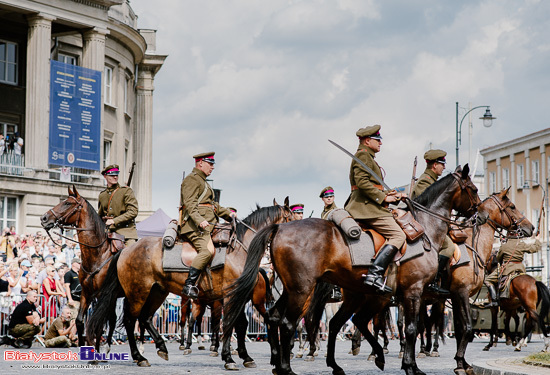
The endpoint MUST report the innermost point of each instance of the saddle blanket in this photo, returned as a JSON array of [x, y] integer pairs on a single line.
[[362, 251], [461, 256], [505, 282], [171, 259]]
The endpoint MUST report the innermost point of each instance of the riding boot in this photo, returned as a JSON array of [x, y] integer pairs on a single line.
[[492, 294], [434, 286], [375, 277], [189, 288]]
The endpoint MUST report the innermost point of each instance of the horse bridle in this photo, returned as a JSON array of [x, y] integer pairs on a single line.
[[505, 210], [465, 186], [60, 220]]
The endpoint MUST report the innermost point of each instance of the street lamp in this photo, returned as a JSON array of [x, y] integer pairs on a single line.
[[487, 122], [526, 186]]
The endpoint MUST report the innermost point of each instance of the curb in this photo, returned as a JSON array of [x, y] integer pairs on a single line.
[[507, 366]]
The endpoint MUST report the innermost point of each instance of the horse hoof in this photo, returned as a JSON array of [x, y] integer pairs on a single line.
[[486, 349], [517, 349], [187, 351], [249, 364], [421, 355], [372, 357], [144, 363], [470, 371], [213, 348], [508, 342], [400, 355], [291, 355], [182, 347], [356, 351], [338, 372], [163, 355], [231, 367], [459, 371], [380, 364], [299, 355], [316, 353], [434, 354], [213, 354], [385, 350], [309, 358], [514, 343], [202, 347], [234, 352]]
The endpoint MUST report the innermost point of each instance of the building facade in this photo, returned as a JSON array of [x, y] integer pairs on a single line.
[[101, 35], [523, 164]]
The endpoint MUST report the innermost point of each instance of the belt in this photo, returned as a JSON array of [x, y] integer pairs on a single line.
[[207, 205], [379, 187]]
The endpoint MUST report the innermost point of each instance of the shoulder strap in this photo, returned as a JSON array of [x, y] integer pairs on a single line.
[[110, 199], [201, 197]]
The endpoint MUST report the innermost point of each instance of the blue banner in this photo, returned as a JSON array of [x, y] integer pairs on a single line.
[[75, 116]]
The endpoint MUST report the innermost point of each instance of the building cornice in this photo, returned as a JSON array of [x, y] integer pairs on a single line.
[[515, 145]]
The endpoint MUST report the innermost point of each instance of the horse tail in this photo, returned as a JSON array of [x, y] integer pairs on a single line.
[[238, 293], [268, 294], [321, 295], [544, 295], [106, 301]]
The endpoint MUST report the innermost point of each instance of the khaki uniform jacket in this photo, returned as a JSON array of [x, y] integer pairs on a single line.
[[424, 181], [506, 252], [366, 201], [123, 209], [191, 190], [327, 210]]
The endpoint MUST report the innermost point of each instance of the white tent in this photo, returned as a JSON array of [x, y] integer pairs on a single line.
[[154, 225]]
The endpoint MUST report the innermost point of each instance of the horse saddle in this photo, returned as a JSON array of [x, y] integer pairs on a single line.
[[179, 257], [460, 256], [116, 242], [505, 282]]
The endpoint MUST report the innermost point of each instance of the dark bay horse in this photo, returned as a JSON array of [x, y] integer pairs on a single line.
[[77, 213], [526, 292], [138, 272], [467, 280], [308, 251]]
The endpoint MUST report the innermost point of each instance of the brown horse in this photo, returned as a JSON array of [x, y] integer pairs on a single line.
[[467, 280], [77, 213], [308, 251], [525, 292], [138, 272]]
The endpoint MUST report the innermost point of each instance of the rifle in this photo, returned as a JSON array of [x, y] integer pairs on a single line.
[[180, 208], [311, 214], [413, 178], [541, 213], [131, 174]]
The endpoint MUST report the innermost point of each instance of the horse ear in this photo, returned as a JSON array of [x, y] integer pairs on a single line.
[[458, 169], [70, 191], [465, 171], [287, 201], [76, 192], [505, 191], [275, 202]]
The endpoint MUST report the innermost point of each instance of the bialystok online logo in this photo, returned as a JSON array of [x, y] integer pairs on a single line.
[[86, 353]]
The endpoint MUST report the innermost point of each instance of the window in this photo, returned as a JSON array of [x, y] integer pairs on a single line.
[[67, 59], [492, 182], [8, 212], [126, 83], [535, 172], [8, 62], [505, 178], [521, 176], [108, 85], [106, 153]]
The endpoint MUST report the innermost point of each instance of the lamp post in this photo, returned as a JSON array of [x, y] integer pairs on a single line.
[[545, 190], [487, 122]]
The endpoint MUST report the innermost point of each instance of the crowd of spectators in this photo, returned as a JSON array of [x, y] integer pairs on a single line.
[[33, 262]]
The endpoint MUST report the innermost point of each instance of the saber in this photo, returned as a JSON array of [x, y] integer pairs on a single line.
[[366, 167]]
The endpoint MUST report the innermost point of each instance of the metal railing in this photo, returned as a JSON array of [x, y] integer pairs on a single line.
[[12, 164]]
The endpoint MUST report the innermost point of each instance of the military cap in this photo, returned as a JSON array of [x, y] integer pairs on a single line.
[[369, 132], [435, 155], [206, 156], [232, 209], [297, 208], [327, 192], [111, 170]]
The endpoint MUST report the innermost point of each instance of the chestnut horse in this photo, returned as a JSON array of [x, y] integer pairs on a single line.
[[138, 272], [467, 280], [525, 292], [307, 251], [77, 213]]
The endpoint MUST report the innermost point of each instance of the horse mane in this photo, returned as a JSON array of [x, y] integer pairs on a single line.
[[96, 220], [258, 218], [434, 191]]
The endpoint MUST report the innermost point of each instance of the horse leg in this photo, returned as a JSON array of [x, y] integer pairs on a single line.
[[190, 330], [517, 331], [312, 328], [154, 301], [112, 326], [184, 311], [356, 343], [361, 320], [301, 341], [493, 336], [401, 329], [437, 321], [462, 303], [274, 321], [129, 322], [79, 321], [422, 329], [386, 341], [215, 320], [411, 306], [240, 329]]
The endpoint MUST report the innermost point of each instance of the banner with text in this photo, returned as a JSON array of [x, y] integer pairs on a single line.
[[75, 116]]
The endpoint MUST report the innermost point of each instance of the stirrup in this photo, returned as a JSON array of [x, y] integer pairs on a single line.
[[439, 290], [191, 291]]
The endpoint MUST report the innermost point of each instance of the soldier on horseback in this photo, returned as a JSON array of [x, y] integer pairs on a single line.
[[200, 212], [367, 204], [118, 206], [510, 259], [327, 195], [435, 164]]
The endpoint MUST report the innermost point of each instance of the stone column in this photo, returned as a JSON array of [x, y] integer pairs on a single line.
[[498, 182], [513, 177], [37, 111], [527, 192]]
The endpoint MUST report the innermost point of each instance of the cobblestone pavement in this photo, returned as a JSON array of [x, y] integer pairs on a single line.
[[200, 362]]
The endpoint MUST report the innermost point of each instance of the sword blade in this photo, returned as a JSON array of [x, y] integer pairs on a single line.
[[366, 167]]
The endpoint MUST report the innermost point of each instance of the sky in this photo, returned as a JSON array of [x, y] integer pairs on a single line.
[[266, 84]]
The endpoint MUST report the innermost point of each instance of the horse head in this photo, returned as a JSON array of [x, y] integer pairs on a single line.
[[66, 212], [466, 199], [503, 214]]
